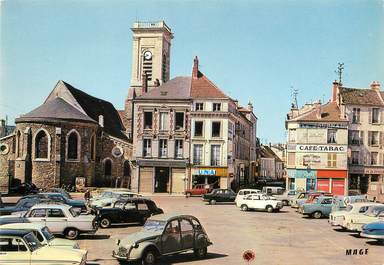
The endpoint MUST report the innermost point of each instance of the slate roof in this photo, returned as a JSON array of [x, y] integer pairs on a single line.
[[356, 96], [55, 109], [267, 152], [202, 87], [94, 107], [176, 88], [329, 112]]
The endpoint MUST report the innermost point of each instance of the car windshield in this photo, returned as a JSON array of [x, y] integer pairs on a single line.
[[47, 234], [374, 211], [154, 225], [32, 241], [75, 211]]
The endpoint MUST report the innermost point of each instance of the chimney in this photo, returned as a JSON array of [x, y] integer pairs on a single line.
[[335, 90], [195, 69], [318, 111], [375, 86], [250, 106], [144, 85], [101, 120]]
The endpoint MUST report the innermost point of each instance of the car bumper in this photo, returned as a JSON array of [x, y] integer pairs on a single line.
[[371, 236], [354, 227]]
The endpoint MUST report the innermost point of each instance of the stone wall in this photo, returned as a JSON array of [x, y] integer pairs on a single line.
[[7, 161]]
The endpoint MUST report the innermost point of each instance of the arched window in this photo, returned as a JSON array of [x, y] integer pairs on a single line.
[[127, 169], [93, 147], [73, 146], [19, 144], [107, 167], [41, 145]]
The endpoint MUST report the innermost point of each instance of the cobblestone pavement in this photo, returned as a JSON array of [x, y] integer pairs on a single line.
[[275, 238]]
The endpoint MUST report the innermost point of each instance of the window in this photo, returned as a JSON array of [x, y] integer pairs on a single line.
[[374, 158], [216, 107], [148, 119], [163, 120], [173, 227], [163, 147], [41, 145], [19, 145], [291, 159], [354, 138], [292, 135], [37, 213], [197, 154], [199, 106], [127, 169], [185, 225], [55, 213], [147, 151], [93, 147], [11, 245], [198, 128], [147, 64], [375, 115], [215, 155], [374, 178], [216, 129], [332, 160], [356, 115], [179, 148], [355, 157], [142, 206], [373, 138], [179, 124], [108, 167], [331, 136], [73, 142]]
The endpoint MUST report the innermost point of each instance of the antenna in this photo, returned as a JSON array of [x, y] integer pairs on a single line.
[[294, 94], [339, 71]]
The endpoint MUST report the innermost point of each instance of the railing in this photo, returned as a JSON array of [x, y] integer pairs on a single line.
[[157, 24]]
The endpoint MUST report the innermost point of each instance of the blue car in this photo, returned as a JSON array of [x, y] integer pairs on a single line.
[[374, 230], [321, 206]]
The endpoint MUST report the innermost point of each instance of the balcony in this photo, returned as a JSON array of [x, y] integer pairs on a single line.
[[150, 25]]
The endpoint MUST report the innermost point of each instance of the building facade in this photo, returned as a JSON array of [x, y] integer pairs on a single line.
[[271, 166]]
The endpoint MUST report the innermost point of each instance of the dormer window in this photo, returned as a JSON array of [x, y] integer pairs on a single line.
[[216, 107]]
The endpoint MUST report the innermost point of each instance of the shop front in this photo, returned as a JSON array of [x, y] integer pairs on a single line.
[[333, 181], [214, 176], [360, 177], [302, 179]]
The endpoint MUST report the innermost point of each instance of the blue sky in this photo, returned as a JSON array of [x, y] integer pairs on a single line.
[[254, 50]]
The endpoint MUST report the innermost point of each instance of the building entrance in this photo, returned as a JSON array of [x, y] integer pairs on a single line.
[[161, 179]]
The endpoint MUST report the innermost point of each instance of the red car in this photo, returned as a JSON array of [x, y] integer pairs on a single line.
[[198, 189], [313, 196]]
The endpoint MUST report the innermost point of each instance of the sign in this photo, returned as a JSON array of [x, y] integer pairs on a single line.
[[321, 148], [324, 125], [311, 159], [366, 170], [209, 172]]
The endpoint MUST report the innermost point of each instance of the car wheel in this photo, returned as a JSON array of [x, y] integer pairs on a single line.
[[188, 194], [317, 215], [285, 203], [149, 257], [200, 252], [269, 208], [71, 233], [143, 220], [105, 222], [244, 207], [212, 202]]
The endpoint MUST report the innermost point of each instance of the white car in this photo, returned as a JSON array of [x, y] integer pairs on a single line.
[[337, 218], [43, 234], [243, 193], [261, 202], [356, 222], [61, 219], [108, 198]]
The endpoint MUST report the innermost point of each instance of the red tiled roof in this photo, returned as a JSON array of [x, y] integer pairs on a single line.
[[329, 112], [356, 96], [202, 87]]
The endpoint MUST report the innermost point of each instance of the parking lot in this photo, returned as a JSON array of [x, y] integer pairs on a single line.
[[276, 238]]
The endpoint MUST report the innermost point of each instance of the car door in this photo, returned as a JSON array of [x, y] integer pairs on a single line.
[[37, 215], [13, 251], [131, 212], [257, 202], [171, 237], [187, 234], [56, 220], [326, 206]]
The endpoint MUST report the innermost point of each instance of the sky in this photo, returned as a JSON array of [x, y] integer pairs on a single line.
[[256, 51]]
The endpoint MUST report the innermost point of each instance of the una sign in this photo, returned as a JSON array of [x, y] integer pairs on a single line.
[[207, 172], [321, 148]]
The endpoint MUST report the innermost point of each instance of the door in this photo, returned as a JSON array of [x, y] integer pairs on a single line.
[[161, 179], [326, 206], [12, 250], [142, 210], [146, 179], [178, 176], [37, 216], [171, 238], [323, 185], [56, 220], [338, 186], [187, 234]]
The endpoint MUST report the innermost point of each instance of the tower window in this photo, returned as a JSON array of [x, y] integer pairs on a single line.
[[41, 145], [147, 64]]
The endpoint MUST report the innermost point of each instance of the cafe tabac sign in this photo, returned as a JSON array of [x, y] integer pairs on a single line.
[[321, 148]]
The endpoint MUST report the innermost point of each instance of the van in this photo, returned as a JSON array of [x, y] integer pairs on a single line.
[[273, 190]]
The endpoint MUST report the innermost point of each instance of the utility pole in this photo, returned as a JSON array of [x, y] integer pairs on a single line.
[[339, 72]]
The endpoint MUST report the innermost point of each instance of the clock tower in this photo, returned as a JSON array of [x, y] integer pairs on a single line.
[[151, 50]]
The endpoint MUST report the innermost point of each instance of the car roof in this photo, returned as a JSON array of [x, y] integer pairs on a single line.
[[14, 232], [366, 203], [22, 226], [249, 190], [12, 219], [169, 216], [51, 205]]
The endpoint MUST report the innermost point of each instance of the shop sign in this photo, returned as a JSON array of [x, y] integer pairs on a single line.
[[362, 170], [319, 148], [311, 159], [323, 125], [208, 172]]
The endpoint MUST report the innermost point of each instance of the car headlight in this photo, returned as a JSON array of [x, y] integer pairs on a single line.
[[76, 246], [135, 245]]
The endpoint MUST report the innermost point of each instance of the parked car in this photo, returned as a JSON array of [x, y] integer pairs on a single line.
[[62, 191], [22, 245], [337, 218], [163, 234], [341, 202], [220, 195], [374, 230], [132, 210], [356, 222], [24, 189], [261, 202], [61, 219], [286, 197], [11, 219], [244, 193], [271, 190], [312, 197], [107, 198], [319, 207], [43, 234], [198, 189], [22, 205], [299, 196], [60, 197]]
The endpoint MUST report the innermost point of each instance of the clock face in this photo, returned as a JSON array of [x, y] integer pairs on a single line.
[[147, 55]]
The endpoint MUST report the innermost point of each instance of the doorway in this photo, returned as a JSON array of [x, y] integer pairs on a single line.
[[161, 179]]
